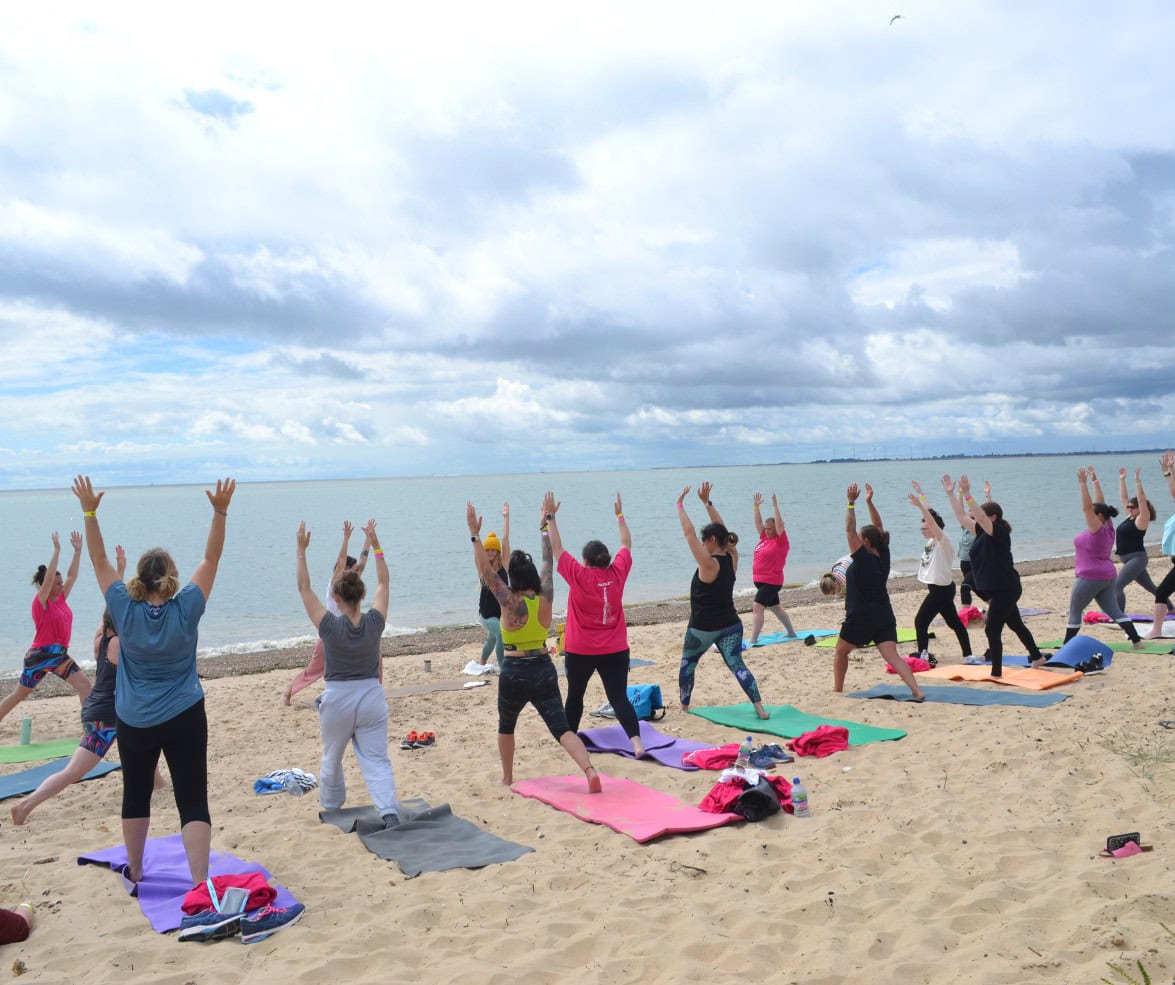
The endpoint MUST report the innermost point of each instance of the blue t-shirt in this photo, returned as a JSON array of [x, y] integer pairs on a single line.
[[157, 660], [1169, 536]]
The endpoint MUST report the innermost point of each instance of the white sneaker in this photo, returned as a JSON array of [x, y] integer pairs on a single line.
[[974, 660]]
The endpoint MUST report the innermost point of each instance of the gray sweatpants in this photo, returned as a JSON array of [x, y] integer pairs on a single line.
[[355, 712], [1105, 593]]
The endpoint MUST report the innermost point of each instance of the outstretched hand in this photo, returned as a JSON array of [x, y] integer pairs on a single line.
[[84, 490], [758, 500], [1082, 475], [868, 493], [302, 538], [914, 501], [917, 488], [56, 541], [550, 505], [348, 529], [619, 506], [853, 492], [75, 540], [964, 486], [472, 519], [684, 493], [704, 492], [948, 485], [369, 530], [223, 495], [119, 561]]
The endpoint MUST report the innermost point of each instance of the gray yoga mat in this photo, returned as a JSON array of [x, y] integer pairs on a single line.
[[951, 695], [428, 839]]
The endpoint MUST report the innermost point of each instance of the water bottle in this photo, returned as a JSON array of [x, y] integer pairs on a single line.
[[26, 730], [799, 799], [292, 786], [743, 762]]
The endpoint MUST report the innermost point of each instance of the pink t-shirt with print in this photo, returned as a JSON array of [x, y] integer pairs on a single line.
[[770, 557], [595, 609], [54, 622]]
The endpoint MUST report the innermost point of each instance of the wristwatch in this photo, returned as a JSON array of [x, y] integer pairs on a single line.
[[550, 517]]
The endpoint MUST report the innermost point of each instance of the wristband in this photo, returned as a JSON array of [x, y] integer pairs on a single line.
[[95, 512], [379, 553], [302, 557], [473, 538], [543, 528], [550, 517], [543, 531], [1166, 475], [851, 506], [968, 498], [756, 507], [709, 503], [364, 552], [681, 506], [619, 516]]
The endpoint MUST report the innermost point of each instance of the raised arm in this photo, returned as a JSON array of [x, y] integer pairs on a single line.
[[1091, 519], [625, 533], [311, 602], [382, 578], [851, 535], [120, 562], [874, 516], [205, 573], [89, 500], [1142, 521], [71, 576], [547, 571], [918, 499], [50, 578], [1123, 495], [758, 511], [505, 538], [704, 495], [965, 521], [982, 520], [550, 509], [1167, 465], [1095, 482], [707, 565], [513, 608], [778, 515]]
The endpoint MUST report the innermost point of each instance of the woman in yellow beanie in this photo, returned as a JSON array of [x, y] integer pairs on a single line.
[[488, 609]]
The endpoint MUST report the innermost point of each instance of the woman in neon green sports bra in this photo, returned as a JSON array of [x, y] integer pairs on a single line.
[[528, 675]]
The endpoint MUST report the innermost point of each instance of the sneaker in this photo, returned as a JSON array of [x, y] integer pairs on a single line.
[[208, 925], [390, 820], [269, 920], [973, 660], [780, 754], [761, 759], [490, 668]]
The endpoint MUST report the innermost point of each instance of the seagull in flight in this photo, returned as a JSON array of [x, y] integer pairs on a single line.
[[896, 17]]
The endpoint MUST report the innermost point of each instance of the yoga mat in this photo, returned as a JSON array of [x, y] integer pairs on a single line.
[[428, 839], [624, 806], [790, 722], [948, 695], [1150, 618], [166, 879], [1149, 646], [430, 686], [38, 750], [636, 662], [661, 748], [768, 639], [1034, 612], [1034, 680], [26, 781], [904, 636]]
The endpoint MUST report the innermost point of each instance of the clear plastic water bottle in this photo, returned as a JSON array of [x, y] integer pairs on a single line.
[[292, 786], [743, 762], [799, 799]]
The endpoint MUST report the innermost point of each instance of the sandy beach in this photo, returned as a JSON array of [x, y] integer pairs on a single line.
[[965, 852]]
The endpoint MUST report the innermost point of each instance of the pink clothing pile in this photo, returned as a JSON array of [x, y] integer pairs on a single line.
[[916, 664], [970, 614], [826, 740], [722, 796], [717, 758], [1093, 617]]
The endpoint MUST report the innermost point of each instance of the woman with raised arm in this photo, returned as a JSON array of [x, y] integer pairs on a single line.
[[488, 610], [1131, 532], [352, 708], [767, 568], [53, 620], [1166, 587], [993, 572], [528, 675], [313, 671], [869, 617], [934, 571], [1096, 574], [713, 619], [157, 695], [596, 639]]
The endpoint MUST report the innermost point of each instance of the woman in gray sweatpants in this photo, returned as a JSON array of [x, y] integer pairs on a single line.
[[352, 708]]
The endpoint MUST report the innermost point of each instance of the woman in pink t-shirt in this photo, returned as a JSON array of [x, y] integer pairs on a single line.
[[1096, 574], [767, 569], [53, 620], [596, 639]]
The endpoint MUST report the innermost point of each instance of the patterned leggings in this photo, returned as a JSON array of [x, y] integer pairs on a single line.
[[729, 641]]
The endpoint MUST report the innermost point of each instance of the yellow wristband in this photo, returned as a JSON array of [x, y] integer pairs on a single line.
[[90, 513]]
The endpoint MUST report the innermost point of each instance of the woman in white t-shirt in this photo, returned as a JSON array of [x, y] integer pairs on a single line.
[[934, 571]]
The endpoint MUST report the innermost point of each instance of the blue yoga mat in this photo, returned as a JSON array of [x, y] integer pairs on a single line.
[[26, 781], [770, 638], [1078, 650], [950, 695]]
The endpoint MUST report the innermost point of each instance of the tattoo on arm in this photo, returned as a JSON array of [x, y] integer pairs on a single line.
[[547, 574], [493, 581]]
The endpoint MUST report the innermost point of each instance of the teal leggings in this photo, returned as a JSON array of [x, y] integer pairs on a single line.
[[730, 643]]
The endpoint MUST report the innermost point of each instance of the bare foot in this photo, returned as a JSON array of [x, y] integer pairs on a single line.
[[26, 911], [638, 750], [919, 697], [507, 780], [593, 779], [1037, 662], [287, 697], [762, 712], [20, 813]]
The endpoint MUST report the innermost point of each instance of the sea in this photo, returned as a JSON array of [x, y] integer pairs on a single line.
[[421, 523]]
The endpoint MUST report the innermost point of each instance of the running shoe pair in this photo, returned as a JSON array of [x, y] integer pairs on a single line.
[[208, 925]]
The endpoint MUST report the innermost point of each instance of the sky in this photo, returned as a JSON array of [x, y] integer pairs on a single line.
[[384, 240]]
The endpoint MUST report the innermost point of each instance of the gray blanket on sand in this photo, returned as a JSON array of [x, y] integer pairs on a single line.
[[428, 839]]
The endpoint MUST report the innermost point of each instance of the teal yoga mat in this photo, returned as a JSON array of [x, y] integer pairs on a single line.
[[38, 750], [904, 636], [26, 781], [767, 639], [790, 722]]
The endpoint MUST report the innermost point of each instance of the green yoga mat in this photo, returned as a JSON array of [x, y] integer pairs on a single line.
[[1120, 646], [904, 636], [38, 750], [790, 722]]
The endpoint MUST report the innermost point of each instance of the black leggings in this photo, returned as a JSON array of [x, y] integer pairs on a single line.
[[183, 740], [530, 680], [1002, 610], [613, 671], [966, 587], [1166, 587], [940, 601]]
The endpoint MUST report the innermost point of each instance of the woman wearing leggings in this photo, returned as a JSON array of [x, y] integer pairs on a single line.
[[934, 571], [993, 572], [157, 695], [1167, 586], [767, 568], [596, 639], [713, 619], [1131, 532], [1096, 574], [528, 674]]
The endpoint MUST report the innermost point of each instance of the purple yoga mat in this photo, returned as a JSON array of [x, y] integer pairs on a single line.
[[166, 879], [1145, 618], [661, 748]]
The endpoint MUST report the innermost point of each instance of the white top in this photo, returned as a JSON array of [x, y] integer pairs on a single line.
[[934, 568]]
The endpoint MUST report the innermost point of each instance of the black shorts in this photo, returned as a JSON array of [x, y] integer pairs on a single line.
[[767, 595], [864, 630]]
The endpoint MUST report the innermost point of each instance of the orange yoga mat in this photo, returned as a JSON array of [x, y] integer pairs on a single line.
[[1035, 680]]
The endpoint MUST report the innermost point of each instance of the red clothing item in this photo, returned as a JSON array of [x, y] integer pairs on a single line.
[[261, 893], [717, 758], [595, 605], [826, 740], [916, 664], [54, 622], [770, 557], [970, 614], [723, 795]]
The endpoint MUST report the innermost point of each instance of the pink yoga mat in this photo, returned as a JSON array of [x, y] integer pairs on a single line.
[[624, 806]]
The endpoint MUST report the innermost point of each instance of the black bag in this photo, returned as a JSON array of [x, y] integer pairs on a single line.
[[757, 802]]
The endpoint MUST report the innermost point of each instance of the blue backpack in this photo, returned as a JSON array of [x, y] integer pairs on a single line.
[[646, 701]]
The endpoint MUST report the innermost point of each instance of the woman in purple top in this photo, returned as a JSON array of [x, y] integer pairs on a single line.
[[1096, 574]]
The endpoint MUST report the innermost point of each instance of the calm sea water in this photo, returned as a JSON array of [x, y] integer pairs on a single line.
[[422, 527]]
